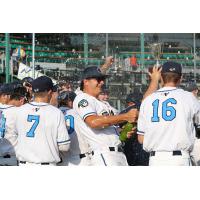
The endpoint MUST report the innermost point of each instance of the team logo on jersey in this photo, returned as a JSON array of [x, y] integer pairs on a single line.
[[83, 103], [104, 113], [36, 109], [166, 93]]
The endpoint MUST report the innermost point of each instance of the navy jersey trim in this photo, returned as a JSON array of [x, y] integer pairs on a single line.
[[103, 159], [6, 107], [140, 131], [167, 90], [66, 141], [38, 105], [88, 114]]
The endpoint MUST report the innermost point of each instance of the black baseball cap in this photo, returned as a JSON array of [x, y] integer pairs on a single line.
[[93, 72], [191, 86], [6, 88], [67, 96], [42, 84], [27, 79], [55, 88], [104, 90], [172, 67], [134, 98]]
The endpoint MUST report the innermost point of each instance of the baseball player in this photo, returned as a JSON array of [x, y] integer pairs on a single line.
[[40, 128], [195, 154], [54, 97], [27, 83], [103, 97], [79, 150], [165, 123], [8, 143], [95, 122], [133, 150]]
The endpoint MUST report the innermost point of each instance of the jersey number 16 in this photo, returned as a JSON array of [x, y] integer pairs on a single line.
[[168, 111]]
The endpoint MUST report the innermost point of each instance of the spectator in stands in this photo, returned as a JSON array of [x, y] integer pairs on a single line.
[[133, 61], [133, 150]]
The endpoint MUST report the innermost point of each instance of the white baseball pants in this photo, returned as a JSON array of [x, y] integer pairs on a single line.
[[195, 154], [168, 159], [108, 158]]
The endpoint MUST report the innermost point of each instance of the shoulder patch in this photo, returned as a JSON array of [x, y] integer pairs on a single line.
[[83, 103]]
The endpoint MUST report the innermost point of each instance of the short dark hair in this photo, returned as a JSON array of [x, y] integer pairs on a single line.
[[82, 85], [171, 77], [18, 93], [40, 94]]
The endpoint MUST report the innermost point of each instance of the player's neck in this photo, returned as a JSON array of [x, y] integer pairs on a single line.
[[170, 85], [42, 100], [13, 103], [90, 92]]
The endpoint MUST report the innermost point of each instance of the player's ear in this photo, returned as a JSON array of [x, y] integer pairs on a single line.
[[181, 78], [50, 92], [161, 84]]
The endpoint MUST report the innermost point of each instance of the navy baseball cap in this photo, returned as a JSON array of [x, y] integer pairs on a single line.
[[55, 88], [104, 90], [134, 98], [172, 67], [42, 84], [191, 86], [66, 96], [93, 72], [27, 79], [6, 88]]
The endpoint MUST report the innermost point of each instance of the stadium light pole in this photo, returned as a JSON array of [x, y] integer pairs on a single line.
[[7, 35], [33, 55], [85, 41], [142, 57], [106, 45], [194, 42]]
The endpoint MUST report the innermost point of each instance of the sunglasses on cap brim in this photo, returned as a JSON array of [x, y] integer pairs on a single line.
[[99, 79]]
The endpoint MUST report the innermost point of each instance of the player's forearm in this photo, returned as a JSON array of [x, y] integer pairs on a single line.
[[153, 86], [140, 139], [104, 121]]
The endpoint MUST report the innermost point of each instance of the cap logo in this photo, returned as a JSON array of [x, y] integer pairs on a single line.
[[172, 69], [98, 69]]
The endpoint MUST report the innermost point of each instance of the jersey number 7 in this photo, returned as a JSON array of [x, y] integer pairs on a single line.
[[36, 119]]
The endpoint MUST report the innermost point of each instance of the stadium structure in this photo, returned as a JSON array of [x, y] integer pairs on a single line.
[[63, 56]]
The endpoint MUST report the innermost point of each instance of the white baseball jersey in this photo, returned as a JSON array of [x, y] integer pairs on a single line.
[[98, 139], [7, 129], [41, 129], [112, 110], [78, 144], [166, 120]]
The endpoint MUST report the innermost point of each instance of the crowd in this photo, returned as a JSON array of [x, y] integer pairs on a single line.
[[46, 124]]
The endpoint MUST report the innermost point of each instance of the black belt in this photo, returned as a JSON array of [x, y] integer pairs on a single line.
[[119, 149], [24, 162], [174, 153], [83, 155], [7, 156]]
